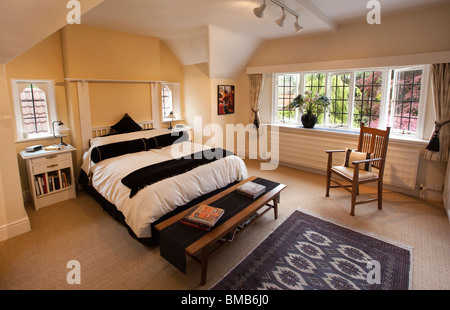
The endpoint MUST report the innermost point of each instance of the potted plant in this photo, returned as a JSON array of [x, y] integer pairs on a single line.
[[310, 103]]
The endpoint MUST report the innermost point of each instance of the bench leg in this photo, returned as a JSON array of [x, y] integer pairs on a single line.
[[205, 256], [275, 206]]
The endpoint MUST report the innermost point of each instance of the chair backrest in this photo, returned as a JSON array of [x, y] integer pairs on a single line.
[[374, 141]]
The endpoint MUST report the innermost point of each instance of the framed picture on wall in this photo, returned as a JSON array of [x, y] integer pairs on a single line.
[[225, 99]]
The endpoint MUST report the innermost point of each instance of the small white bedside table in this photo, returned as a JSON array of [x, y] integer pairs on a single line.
[[50, 174]]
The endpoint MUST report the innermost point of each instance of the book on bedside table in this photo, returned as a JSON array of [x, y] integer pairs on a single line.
[[202, 216], [251, 189]]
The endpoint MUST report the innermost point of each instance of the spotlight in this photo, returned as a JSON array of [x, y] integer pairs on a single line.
[[280, 21], [259, 11], [298, 28]]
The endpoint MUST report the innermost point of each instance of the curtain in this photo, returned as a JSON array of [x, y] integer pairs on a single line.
[[256, 86], [156, 104], [438, 148]]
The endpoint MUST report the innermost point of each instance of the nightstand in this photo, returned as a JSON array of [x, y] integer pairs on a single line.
[[50, 174]]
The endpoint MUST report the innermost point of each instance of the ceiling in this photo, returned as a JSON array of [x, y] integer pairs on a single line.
[[197, 31], [168, 19]]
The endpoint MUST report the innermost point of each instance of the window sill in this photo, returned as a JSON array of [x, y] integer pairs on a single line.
[[168, 120], [395, 138], [44, 137]]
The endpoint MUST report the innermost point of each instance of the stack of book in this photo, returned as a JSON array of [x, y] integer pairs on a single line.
[[251, 189], [203, 217]]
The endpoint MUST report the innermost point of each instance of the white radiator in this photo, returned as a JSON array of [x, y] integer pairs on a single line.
[[298, 147]]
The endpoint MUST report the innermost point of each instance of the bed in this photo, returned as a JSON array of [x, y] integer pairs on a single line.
[[145, 176]]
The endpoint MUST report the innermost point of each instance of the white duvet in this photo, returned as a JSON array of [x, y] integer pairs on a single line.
[[160, 198]]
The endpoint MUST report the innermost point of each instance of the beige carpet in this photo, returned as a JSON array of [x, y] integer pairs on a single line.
[[111, 259]]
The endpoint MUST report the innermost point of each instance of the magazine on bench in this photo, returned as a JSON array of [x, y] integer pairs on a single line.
[[251, 189], [202, 216]]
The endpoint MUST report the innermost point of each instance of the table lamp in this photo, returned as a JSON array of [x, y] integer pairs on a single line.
[[172, 117], [60, 127]]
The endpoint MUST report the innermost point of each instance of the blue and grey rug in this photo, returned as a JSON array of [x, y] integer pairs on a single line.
[[308, 253]]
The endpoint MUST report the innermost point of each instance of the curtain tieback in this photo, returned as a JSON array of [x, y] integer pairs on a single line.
[[434, 142], [439, 125], [256, 119]]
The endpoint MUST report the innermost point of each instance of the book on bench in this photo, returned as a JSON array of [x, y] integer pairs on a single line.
[[202, 216], [251, 189]]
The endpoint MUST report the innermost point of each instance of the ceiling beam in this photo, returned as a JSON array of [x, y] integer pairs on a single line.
[[316, 12]]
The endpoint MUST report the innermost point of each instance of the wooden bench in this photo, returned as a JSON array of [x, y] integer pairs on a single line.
[[210, 242]]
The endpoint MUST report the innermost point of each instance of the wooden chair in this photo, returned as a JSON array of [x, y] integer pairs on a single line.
[[373, 141]]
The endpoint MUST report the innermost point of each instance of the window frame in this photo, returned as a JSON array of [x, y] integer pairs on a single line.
[[422, 101], [275, 96], [384, 101], [176, 101], [51, 108]]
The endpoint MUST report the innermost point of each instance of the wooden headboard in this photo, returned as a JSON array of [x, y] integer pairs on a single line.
[[105, 130]]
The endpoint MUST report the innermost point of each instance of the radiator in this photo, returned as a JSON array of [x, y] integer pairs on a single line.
[[308, 150]]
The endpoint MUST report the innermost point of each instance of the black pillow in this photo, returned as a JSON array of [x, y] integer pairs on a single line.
[[167, 139], [103, 152], [126, 124]]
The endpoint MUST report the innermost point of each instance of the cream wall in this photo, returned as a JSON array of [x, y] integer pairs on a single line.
[[197, 97], [96, 53], [201, 102], [42, 62], [13, 218]]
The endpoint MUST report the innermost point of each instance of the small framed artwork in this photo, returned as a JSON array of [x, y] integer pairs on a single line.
[[225, 99]]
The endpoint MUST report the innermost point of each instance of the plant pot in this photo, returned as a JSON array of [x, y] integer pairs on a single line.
[[309, 120]]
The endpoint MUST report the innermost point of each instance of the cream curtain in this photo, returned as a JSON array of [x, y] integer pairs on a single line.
[[256, 86], [156, 104], [438, 148]]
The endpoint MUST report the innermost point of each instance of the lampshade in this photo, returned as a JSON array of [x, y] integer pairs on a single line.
[[280, 21], [297, 27], [171, 115], [259, 11], [62, 128]]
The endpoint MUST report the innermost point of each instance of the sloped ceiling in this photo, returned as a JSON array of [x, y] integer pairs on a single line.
[[24, 23], [222, 33]]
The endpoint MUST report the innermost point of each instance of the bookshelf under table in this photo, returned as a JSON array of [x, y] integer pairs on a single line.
[[51, 176], [177, 240]]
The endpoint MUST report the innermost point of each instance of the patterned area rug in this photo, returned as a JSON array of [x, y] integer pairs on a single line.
[[308, 253]]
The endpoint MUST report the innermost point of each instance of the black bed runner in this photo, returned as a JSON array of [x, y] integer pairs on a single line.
[[146, 176]]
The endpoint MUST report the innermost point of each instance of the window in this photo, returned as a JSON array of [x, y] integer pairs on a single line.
[[378, 97], [340, 96], [316, 84], [170, 101], [368, 93], [167, 103], [287, 90], [405, 100], [34, 107]]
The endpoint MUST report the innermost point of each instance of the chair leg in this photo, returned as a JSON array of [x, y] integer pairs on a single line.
[[380, 194], [329, 164], [328, 183], [354, 193]]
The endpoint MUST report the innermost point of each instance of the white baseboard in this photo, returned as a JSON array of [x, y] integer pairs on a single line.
[[14, 229]]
